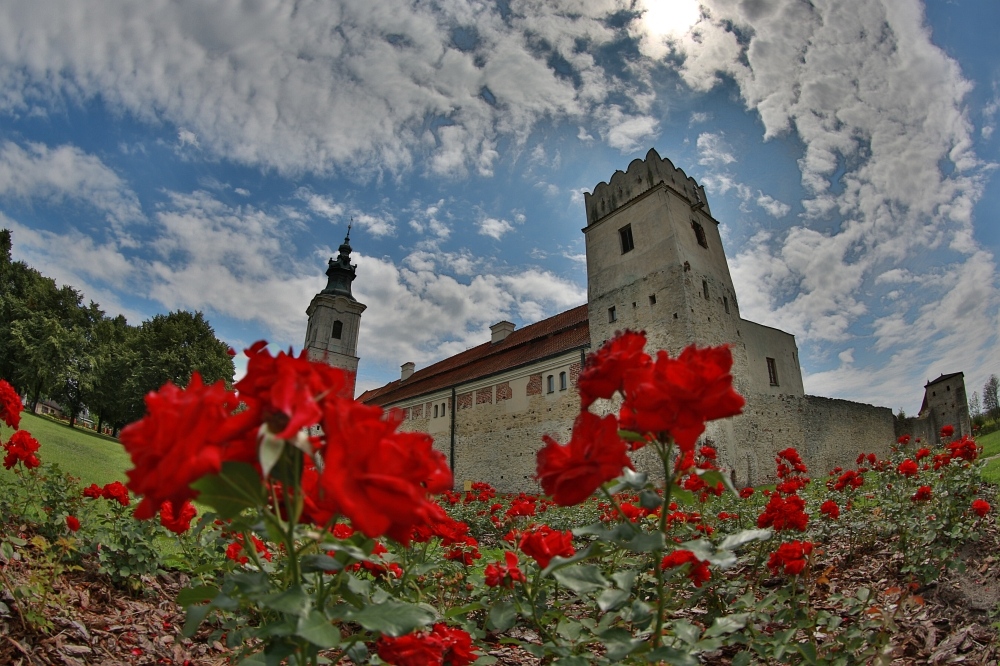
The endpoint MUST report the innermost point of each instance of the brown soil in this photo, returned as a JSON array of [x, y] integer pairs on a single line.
[[946, 622]]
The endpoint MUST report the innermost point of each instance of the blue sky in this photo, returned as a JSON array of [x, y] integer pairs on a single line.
[[164, 155]]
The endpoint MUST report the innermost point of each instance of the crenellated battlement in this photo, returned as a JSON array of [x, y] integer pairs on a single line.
[[641, 176]]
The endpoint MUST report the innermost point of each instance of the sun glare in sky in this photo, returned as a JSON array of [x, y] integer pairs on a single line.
[[669, 18]]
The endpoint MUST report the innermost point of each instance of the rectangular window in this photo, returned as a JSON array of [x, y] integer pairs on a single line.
[[612, 314], [625, 236], [652, 299], [725, 301], [699, 232], [562, 381], [772, 372], [551, 384], [704, 288]]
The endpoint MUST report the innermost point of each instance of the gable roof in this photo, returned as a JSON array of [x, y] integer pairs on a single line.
[[556, 335], [944, 377]]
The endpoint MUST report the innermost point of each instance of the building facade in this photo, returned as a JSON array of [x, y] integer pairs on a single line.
[[655, 262]]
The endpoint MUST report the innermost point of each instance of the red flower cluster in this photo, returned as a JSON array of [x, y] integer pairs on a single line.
[[907, 468], [698, 573], [791, 557], [980, 507], [361, 467], [21, 448], [923, 494], [830, 509], [746, 492], [73, 523], [234, 549], [965, 449], [903, 439], [783, 513], [10, 405], [115, 491], [849, 478], [504, 574], [569, 473], [947, 431], [441, 646], [543, 543], [181, 521], [603, 374]]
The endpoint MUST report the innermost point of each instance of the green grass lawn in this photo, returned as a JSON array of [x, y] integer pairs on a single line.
[[990, 444], [82, 453]]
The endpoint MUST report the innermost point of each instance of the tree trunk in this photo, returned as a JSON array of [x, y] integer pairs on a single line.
[[35, 395]]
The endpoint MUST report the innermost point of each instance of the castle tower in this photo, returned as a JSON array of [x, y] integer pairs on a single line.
[[655, 260], [335, 317]]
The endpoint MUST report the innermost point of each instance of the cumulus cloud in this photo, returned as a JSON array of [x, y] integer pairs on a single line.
[[57, 174], [362, 86], [494, 228]]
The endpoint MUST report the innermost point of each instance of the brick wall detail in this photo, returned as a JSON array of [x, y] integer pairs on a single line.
[[465, 400], [484, 396], [417, 411], [504, 391], [534, 385], [574, 373]]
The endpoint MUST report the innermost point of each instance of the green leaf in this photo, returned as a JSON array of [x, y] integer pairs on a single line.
[[646, 542], [572, 660], [314, 563], [196, 595], [671, 656], [619, 643], [612, 599], [193, 618], [713, 476], [393, 618], [318, 630], [581, 578], [727, 624], [293, 601], [559, 562], [624, 578], [734, 541], [808, 652], [649, 499], [686, 631], [235, 488], [502, 616], [630, 436]]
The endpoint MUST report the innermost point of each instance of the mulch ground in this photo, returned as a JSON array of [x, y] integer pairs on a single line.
[[946, 622]]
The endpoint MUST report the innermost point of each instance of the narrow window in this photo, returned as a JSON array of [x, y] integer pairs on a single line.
[[625, 236], [725, 301], [612, 315], [652, 299], [772, 372], [443, 404], [699, 232], [562, 381], [435, 411], [551, 381], [704, 288], [338, 329]]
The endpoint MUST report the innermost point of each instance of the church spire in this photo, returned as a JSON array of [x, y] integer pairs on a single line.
[[341, 272]]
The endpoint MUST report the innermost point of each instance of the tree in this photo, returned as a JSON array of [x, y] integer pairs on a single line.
[[975, 409], [169, 348], [991, 401], [114, 357]]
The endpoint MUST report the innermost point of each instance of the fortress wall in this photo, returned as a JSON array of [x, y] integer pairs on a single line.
[[836, 431]]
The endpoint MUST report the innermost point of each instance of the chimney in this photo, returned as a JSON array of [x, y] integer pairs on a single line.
[[407, 370], [500, 331]]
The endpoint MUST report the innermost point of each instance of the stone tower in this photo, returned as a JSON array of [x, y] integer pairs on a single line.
[[335, 317], [655, 262]]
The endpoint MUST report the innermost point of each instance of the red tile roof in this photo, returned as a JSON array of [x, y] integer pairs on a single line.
[[557, 334]]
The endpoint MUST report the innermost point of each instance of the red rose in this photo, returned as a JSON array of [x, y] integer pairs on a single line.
[[73, 523], [504, 574], [791, 557], [947, 431], [907, 468], [185, 435], [923, 494], [784, 513], [181, 522], [678, 395], [604, 371], [698, 573], [288, 390], [441, 646], [980, 507], [594, 454], [21, 448], [544, 543], [830, 509], [746, 492], [116, 491], [375, 476], [93, 491], [10, 405], [903, 439]]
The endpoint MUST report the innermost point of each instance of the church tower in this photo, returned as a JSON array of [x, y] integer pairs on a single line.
[[335, 317]]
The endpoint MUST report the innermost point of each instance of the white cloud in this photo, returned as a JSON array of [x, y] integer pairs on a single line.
[[493, 227], [37, 171], [772, 206], [713, 150]]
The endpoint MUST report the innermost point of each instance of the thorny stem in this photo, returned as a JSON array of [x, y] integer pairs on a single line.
[[664, 449]]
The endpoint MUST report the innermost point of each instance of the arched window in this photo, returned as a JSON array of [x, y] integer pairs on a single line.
[[338, 329], [551, 384], [435, 411]]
